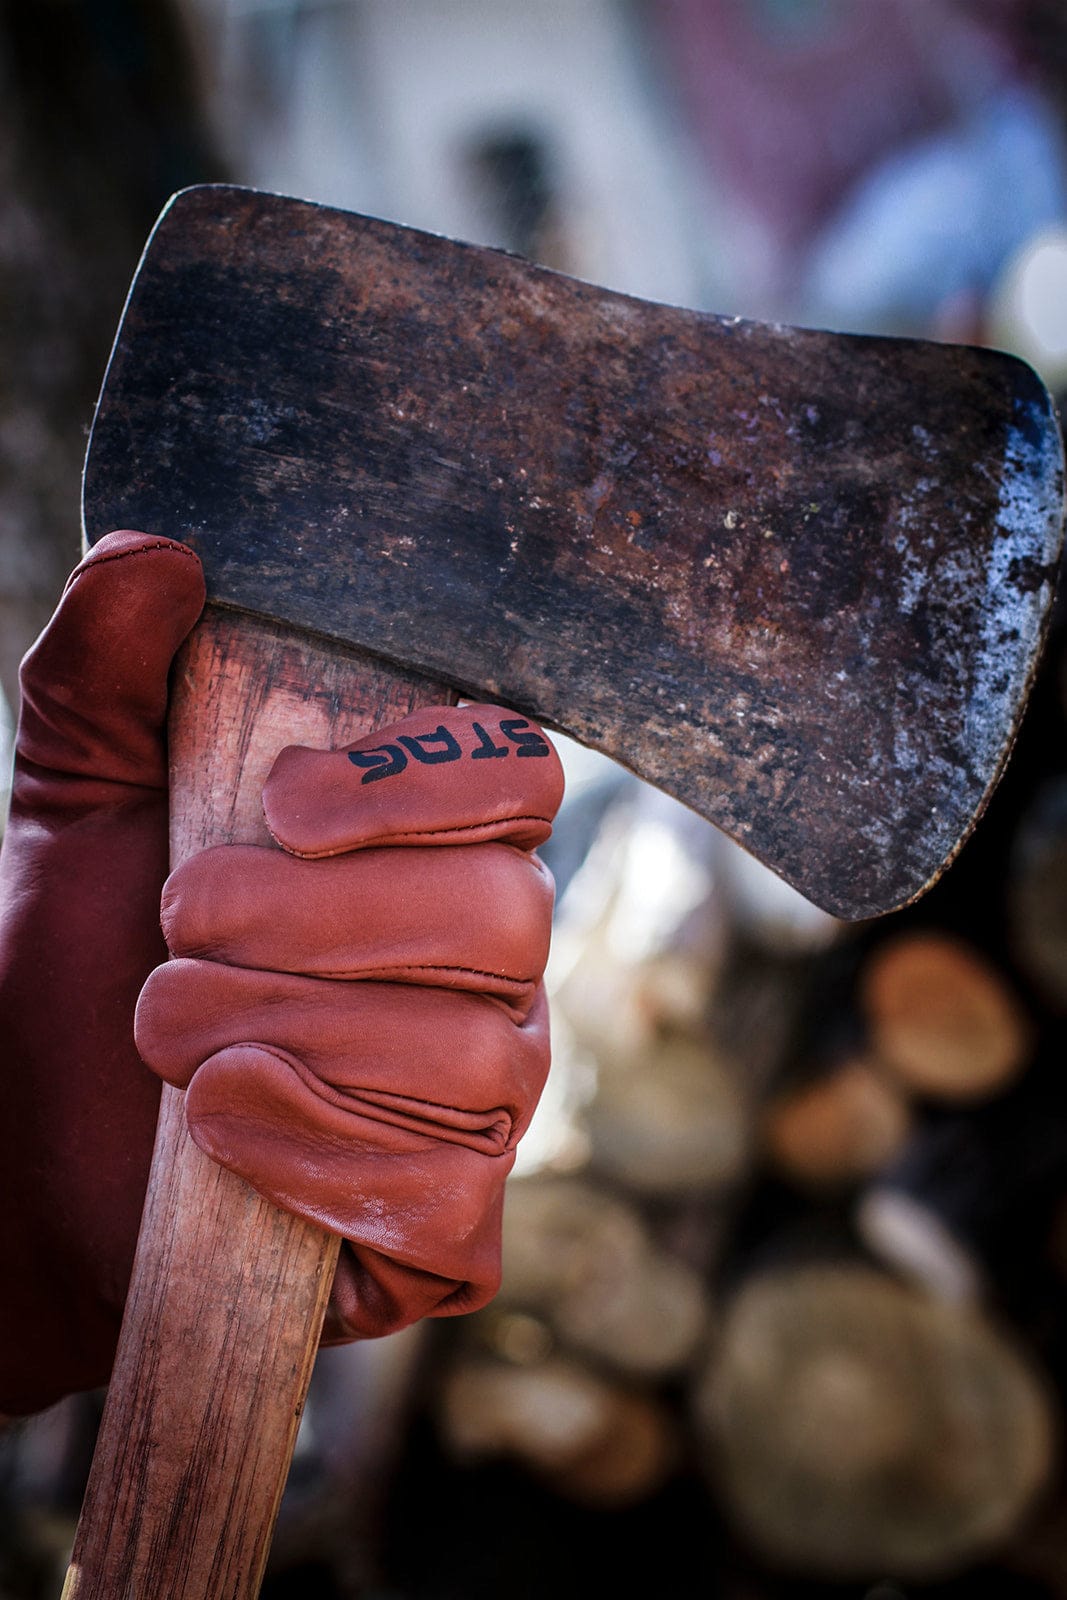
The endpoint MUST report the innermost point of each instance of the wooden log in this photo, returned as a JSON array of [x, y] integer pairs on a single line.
[[942, 1018], [650, 1321], [671, 1120], [556, 1231], [585, 1262], [589, 1439], [843, 1126], [853, 1426]]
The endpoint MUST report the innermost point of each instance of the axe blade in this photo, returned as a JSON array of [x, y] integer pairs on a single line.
[[799, 580]]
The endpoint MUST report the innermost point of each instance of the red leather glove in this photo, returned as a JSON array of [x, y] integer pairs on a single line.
[[358, 1018], [83, 860], [80, 872]]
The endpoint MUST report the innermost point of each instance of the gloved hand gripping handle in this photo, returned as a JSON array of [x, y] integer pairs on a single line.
[[228, 1292]]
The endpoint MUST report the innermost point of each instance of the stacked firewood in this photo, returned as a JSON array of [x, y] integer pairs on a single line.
[[802, 1242]]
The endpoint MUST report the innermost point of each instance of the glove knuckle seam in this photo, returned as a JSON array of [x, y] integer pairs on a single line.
[[412, 836], [367, 973], [168, 546]]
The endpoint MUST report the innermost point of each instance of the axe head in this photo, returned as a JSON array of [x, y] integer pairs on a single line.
[[799, 580]]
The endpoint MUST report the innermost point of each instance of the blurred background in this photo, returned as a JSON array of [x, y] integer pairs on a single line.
[[785, 1300]]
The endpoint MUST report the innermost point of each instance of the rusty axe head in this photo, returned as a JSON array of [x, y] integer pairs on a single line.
[[797, 579]]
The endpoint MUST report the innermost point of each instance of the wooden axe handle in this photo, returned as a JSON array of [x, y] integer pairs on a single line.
[[228, 1293]]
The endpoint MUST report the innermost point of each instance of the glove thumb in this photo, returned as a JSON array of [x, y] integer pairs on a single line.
[[94, 686]]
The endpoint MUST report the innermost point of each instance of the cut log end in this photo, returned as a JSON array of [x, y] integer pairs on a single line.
[[855, 1426], [942, 1019], [843, 1127], [589, 1439]]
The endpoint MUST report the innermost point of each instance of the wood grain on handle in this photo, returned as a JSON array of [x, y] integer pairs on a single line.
[[228, 1293]]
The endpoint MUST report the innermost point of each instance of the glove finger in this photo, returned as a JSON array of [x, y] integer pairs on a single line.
[[94, 686], [447, 775], [474, 917], [373, 1295], [424, 1202], [376, 1052]]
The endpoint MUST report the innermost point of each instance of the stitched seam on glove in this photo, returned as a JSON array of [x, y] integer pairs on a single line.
[[357, 973], [416, 837], [125, 555]]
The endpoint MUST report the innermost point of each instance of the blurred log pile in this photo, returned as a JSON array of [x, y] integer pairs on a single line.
[[789, 1306]]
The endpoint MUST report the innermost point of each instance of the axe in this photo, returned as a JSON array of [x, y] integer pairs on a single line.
[[798, 580]]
